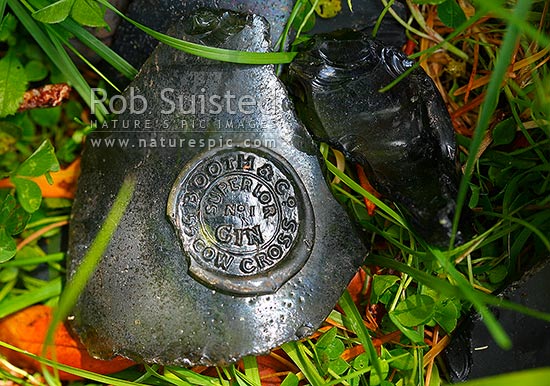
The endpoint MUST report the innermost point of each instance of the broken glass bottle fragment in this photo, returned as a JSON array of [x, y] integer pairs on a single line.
[[232, 243], [403, 137]]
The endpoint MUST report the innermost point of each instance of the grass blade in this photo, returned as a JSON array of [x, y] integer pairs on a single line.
[[359, 189], [152, 371], [296, 352], [87, 38], [76, 285], [54, 257], [39, 295], [251, 369], [281, 42], [73, 370], [457, 31], [489, 106], [191, 376], [357, 325], [450, 290], [221, 54], [2, 9], [105, 52], [494, 327], [55, 52]]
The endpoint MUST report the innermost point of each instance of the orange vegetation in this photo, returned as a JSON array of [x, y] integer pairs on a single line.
[[27, 329], [64, 182]]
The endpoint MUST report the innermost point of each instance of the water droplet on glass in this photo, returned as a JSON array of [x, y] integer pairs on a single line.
[[304, 330], [407, 63]]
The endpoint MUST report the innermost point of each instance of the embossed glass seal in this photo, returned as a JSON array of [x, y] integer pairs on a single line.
[[244, 219], [145, 299]]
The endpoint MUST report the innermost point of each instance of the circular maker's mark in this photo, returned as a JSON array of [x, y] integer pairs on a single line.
[[244, 219]]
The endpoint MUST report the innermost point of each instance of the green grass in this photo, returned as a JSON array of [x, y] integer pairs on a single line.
[[506, 185]]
